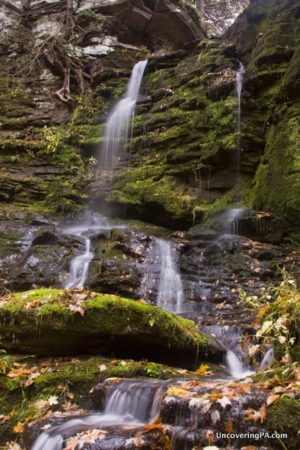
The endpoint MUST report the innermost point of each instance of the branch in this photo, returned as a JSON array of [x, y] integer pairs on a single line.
[[11, 6]]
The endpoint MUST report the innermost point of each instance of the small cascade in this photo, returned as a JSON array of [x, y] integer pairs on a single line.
[[268, 359], [80, 265], [137, 402], [162, 281], [120, 119], [229, 220], [131, 401], [230, 339], [90, 226], [235, 366], [170, 289]]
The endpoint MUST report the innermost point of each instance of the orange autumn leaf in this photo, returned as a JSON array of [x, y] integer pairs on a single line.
[[215, 396], [19, 428], [256, 416]]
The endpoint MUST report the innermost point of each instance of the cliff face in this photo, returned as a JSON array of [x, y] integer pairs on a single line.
[[63, 70], [271, 101]]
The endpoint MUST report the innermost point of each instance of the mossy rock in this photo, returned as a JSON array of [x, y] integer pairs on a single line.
[[284, 417], [56, 322]]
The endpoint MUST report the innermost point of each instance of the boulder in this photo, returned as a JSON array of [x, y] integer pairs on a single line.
[[56, 322]]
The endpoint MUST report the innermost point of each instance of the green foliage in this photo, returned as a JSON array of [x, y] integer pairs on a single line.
[[278, 315]]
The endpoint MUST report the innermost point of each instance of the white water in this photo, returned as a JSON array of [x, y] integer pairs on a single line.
[[135, 402], [88, 227], [80, 265], [162, 280], [239, 87], [230, 338], [230, 220], [119, 121], [170, 288], [235, 366], [268, 359]]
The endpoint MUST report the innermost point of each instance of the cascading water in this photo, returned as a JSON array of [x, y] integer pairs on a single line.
[[235, 366], [267, 360], [230, 220], [230, 338], [134, 401], [163, 277], [119, 121], [116, 133], [80, 264], [89, 226], [170, 289], [239, 87]]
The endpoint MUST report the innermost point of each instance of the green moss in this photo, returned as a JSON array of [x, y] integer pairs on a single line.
[[277, 187], [284, 417], [47, 322]]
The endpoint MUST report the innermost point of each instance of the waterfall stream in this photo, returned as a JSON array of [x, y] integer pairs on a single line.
[[138, 402], [89, 226], [119, 121], [129, 402], [163, 277], [116, 134], [239, 87]]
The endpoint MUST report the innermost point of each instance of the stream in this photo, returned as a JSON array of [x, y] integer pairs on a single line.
[[131, 403]]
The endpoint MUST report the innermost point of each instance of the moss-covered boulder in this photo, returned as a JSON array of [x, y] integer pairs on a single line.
[[284, 417], [56, 322]]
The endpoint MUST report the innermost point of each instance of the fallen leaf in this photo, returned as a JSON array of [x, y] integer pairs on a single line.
[[215, 416], [77, 309], [272, 399], [53, 400], [41, 404], [224, 401], [12, 446], [4, 419], [255, 416], [19, 428]]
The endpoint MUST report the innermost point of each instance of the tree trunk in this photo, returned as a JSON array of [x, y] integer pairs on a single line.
[[69, 19]]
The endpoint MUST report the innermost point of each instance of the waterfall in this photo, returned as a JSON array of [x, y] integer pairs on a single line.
[[80, 265], [268, 359], [170, 288], [230, 338], [89, 226], [162, 281], [119, 121], [229, 220], [135, 402], [238, 87], [235, 366]]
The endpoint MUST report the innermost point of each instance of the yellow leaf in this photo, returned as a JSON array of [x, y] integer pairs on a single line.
[[19, 428], [202, 369]]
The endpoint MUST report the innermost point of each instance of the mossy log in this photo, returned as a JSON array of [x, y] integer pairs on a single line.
[[57, 323]]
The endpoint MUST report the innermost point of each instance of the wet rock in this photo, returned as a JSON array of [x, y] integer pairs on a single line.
[[33, 251], [45, 237]]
